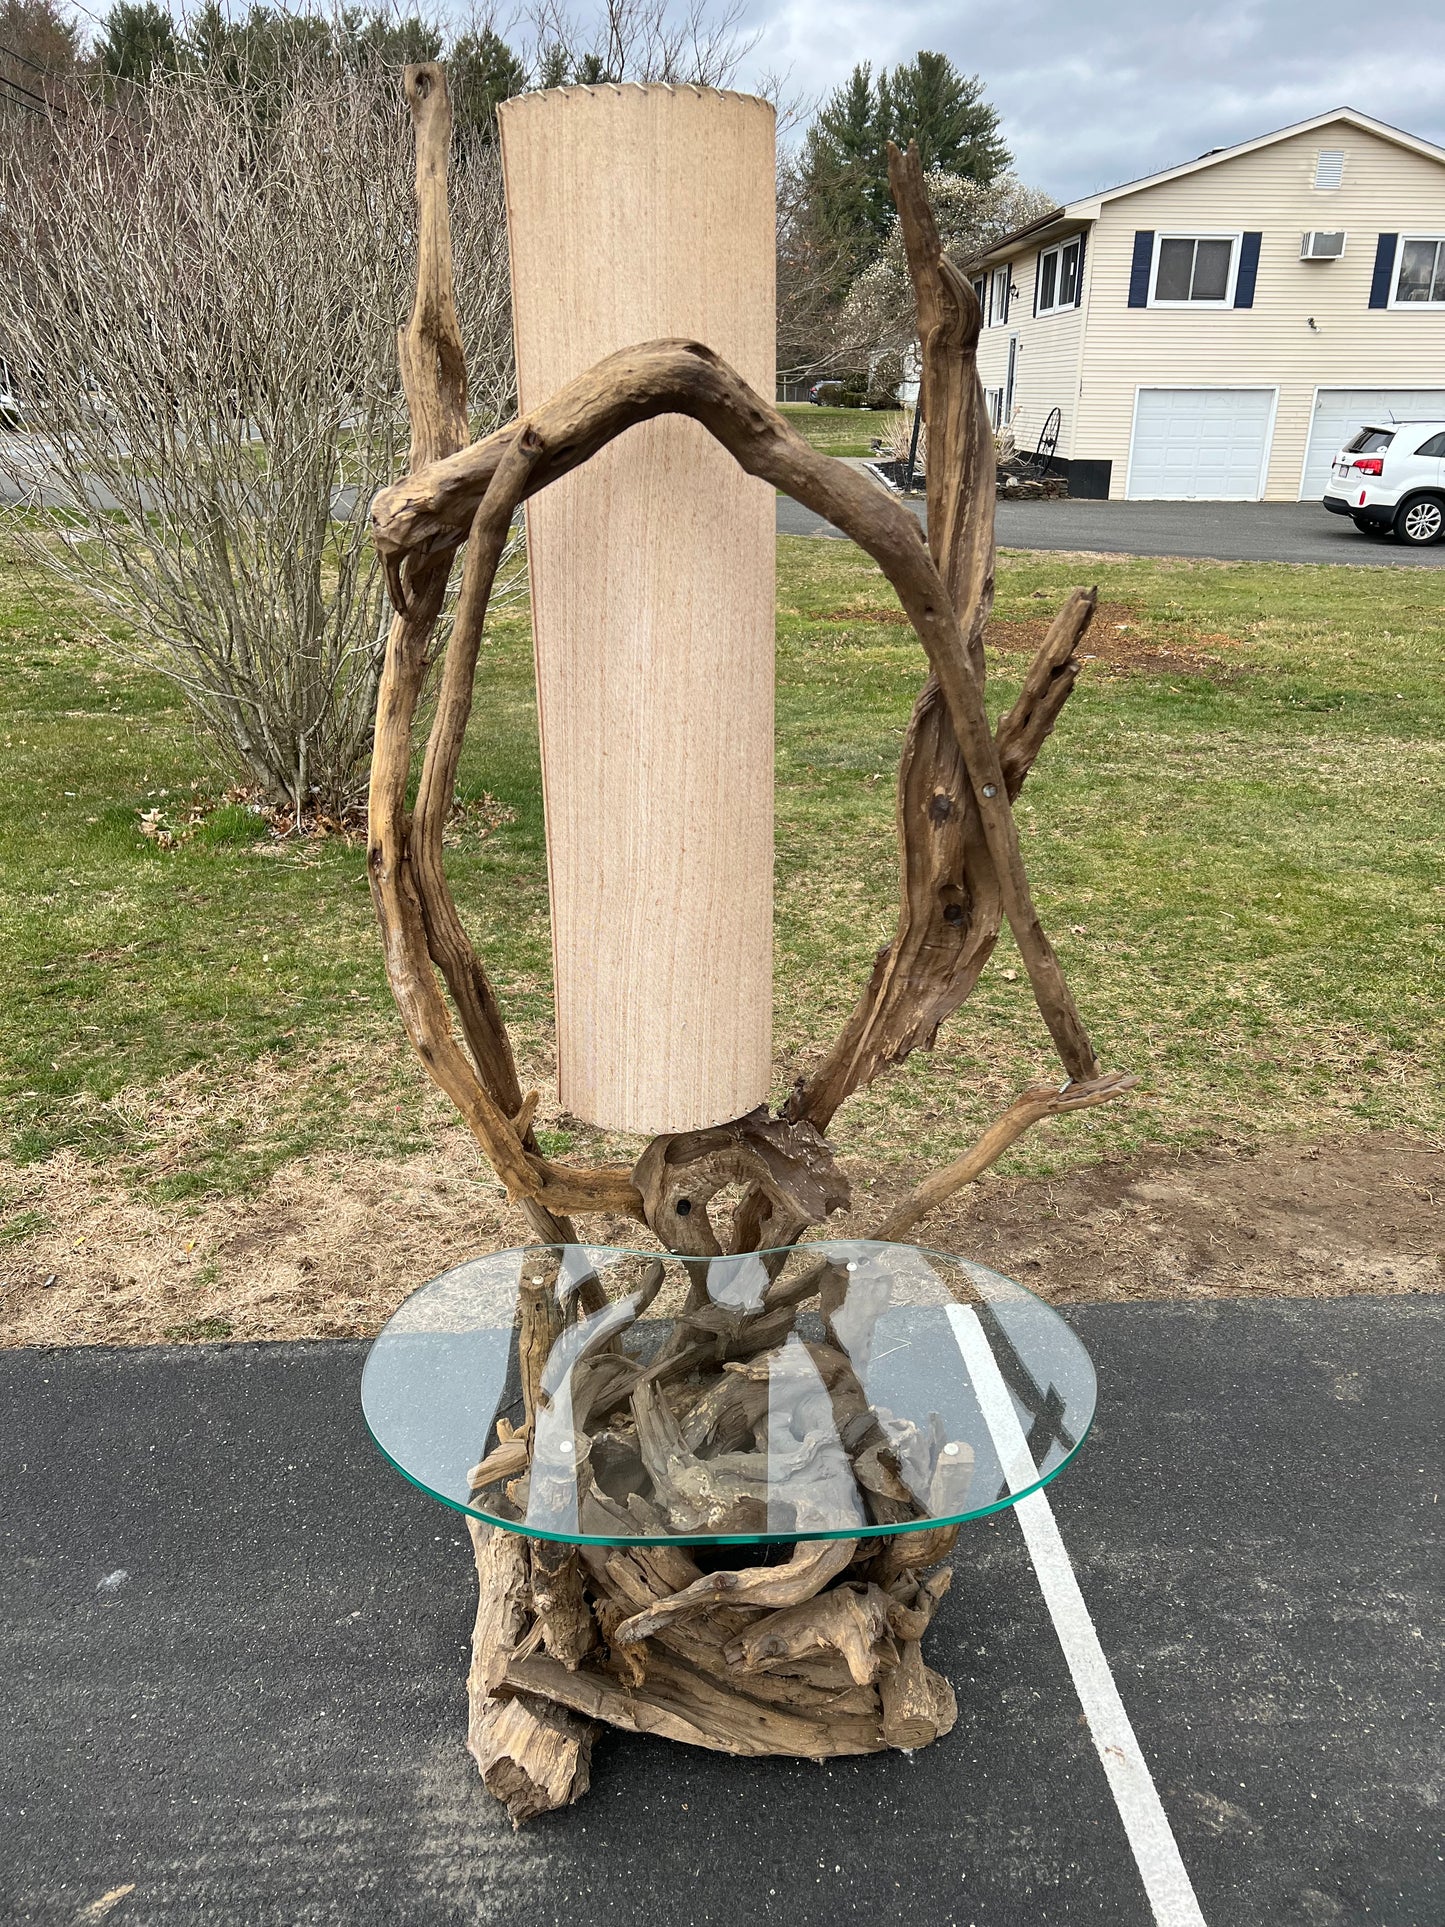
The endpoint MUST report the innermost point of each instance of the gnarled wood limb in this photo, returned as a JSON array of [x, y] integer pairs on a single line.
[[423, 514], [1025, 1111], [532, 1756], [792, 1171], [961, 462], [813, 1564], [429, 348], [950, 908], [677, 1702], [951, 905], [918, 1704], [849, 1620]]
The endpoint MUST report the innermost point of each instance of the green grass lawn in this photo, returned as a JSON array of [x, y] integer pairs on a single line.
[[1236, 847], [838, 431]]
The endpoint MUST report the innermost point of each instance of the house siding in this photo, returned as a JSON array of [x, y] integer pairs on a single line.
[[1047, 370], [1091, 362], [1270, 344]]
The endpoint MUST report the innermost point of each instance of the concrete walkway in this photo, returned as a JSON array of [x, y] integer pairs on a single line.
[[234, 1646]]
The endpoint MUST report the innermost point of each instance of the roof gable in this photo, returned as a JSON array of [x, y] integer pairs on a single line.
[[1348, 116], [1080, 213]]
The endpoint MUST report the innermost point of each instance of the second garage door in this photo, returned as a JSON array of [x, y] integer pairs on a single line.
[[1339, 412], [1200, 444]]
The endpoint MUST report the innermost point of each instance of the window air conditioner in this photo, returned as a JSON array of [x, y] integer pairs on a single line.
[[1317, 245]]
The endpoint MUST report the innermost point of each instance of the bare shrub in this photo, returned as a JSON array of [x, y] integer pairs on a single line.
[[896, 438], [199, 304]]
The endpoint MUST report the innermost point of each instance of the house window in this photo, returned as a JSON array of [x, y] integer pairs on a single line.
[[1194, 270], [1001, 277], [1329, 168], [1420, 271], [980, 289], [1059, 278]]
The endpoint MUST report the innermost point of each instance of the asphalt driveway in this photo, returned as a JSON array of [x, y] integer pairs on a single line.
[[1222, 531], [233, 1641]]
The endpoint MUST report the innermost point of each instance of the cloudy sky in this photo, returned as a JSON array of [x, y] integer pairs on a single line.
[[1096, 93]]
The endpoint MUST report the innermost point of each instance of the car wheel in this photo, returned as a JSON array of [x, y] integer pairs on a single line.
[[1421, 521], [1367, 526]]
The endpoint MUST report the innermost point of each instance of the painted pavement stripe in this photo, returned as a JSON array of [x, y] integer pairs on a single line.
[[1156, 1852]]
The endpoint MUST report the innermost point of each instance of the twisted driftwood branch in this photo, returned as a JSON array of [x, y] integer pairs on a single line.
[[820, 1656]]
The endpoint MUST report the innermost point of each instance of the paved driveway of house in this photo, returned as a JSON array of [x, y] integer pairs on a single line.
[[1224, 531], [233, 1641]]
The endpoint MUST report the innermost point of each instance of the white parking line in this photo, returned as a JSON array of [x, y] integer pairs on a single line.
[[1156, 1852]]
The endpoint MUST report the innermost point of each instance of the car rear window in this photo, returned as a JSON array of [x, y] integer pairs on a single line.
[[1434, 446], [1370, 441]]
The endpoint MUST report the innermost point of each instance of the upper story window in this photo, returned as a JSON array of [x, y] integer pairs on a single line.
[[1059, 277], [1329, 168], [979, 284], [1001, 280], [1420, 270], [1194, 270]]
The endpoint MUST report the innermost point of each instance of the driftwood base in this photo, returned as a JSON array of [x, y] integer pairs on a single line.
[[817, 1656]]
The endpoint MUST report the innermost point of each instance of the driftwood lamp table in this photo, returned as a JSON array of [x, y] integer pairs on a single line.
[[712, 1495], [733, 1517]]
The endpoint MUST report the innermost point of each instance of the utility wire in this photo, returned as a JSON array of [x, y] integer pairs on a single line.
[[28, 92], [18, 99], [25, 61]]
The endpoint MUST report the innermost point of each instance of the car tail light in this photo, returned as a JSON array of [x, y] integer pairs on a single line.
[[1370, 464]]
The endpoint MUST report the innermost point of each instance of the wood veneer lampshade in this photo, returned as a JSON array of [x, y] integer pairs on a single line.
[[634, 213]]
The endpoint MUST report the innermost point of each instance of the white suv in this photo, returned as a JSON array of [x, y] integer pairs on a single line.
[[1392, 478]]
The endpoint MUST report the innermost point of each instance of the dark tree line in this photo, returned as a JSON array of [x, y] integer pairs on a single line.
[[138, 41]]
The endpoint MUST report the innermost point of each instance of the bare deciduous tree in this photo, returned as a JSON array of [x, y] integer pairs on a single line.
[[696, 43], [200, 303], [878, 314]]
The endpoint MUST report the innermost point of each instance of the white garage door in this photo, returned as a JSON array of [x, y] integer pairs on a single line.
[[1340, 411], [1200, 444]]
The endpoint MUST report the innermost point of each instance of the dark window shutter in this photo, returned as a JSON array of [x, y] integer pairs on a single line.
[[1079, 271], [1139, 269], [1384, 268], [1008, 288], [1038, 269], [1248, 271]]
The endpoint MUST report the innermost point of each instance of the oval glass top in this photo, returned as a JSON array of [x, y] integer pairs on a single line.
[[836, 1390]]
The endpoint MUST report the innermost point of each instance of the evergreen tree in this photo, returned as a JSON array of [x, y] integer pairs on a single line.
[[138, 39], [482, 72], [845, 164], [930, 101], [844, 167]]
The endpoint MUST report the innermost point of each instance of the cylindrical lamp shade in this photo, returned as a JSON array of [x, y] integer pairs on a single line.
[[638, 212]]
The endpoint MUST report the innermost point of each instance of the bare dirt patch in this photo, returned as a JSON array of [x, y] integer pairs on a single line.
[[333, 1244], [1321, 1220], [1119, 638]]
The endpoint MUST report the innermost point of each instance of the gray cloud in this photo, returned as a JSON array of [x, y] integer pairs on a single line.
[[1092, 96]]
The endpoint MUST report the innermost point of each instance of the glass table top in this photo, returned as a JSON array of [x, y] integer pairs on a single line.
[[845, 1389]]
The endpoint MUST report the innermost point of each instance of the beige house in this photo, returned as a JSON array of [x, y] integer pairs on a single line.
[[1214, 332]]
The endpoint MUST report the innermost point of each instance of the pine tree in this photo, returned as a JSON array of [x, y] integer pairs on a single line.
[[482, 72], [138, 39], [930, 101], [845, 162]]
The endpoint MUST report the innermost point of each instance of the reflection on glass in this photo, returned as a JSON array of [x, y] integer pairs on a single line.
[[814, 1392]]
